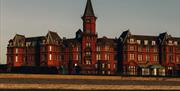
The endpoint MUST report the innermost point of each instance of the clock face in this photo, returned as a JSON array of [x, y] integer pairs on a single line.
[[88, 20]]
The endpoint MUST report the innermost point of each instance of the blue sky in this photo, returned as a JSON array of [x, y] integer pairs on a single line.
[[36, 17]]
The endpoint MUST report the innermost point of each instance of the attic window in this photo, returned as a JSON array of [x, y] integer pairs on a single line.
[[170, 42], [139, 42], [145, 42], [153, 42], [131, 40], [175, 43]]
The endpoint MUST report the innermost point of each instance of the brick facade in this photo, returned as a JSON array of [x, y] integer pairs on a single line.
[[87, 54]]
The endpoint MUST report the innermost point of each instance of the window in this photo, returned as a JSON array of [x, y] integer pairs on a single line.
[[171, 49], [139, 57], [109, 66], [77, 49], [153, 42], [43, 57], [139, 42], [50, 56], [55, 57], [155, 49], [16, 50], [155, 58], [50, 48], [77, 57], [139, 49], [109, 72], [175, 43], [124, 57], [177, 59], [170, 68], [103, 65], [103, 72], [98, 48], [170, 42], [16, 59], [43, 49], [131, 48], [114, 66], [147, 58], [170, 58], [88, 44], [88, 62], [147, 49], [106, 48], [106, 56], [131, 40], [98, 57], [88, 53], [131, 56], [145, 42], [132, 70], [96, 65], [145, 71]]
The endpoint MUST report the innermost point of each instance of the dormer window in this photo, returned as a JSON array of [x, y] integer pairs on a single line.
[[170, 42], [175, 43], [131, 40], [153, 43], [145, 42], [139, 42]]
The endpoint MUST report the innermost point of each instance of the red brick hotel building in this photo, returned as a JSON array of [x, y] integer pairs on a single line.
[[87, 54]]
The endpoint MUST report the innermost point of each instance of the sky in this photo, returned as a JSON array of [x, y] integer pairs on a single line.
[[35, 17]]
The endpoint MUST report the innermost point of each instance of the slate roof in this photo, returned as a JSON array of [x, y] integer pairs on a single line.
[[89, 9], [106, 41]]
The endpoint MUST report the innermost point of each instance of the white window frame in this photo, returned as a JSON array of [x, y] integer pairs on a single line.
[[16, 50], [145, 42], [175, 43], [132, 48], [50, 48], [50, 56], [103, 65], [16, 59], [131, 40], [140, 57], [155, 58], [98, 49], [147, 58], [139, 42], [132, 56], [109, 66], [153, 43]]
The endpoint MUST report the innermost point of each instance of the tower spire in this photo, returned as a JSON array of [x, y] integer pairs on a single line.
[[89, 9]]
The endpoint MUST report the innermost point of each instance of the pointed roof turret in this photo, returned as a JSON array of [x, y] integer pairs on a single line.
[[89, 9]]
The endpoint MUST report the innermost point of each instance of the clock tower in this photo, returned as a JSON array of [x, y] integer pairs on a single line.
[[89, 38]]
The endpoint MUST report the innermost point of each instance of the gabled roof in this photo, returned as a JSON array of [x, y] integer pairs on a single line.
[[52, 37], [124, 36], [89, 9], [18, 40], [106, 41], [71, 42], [177, 39]]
